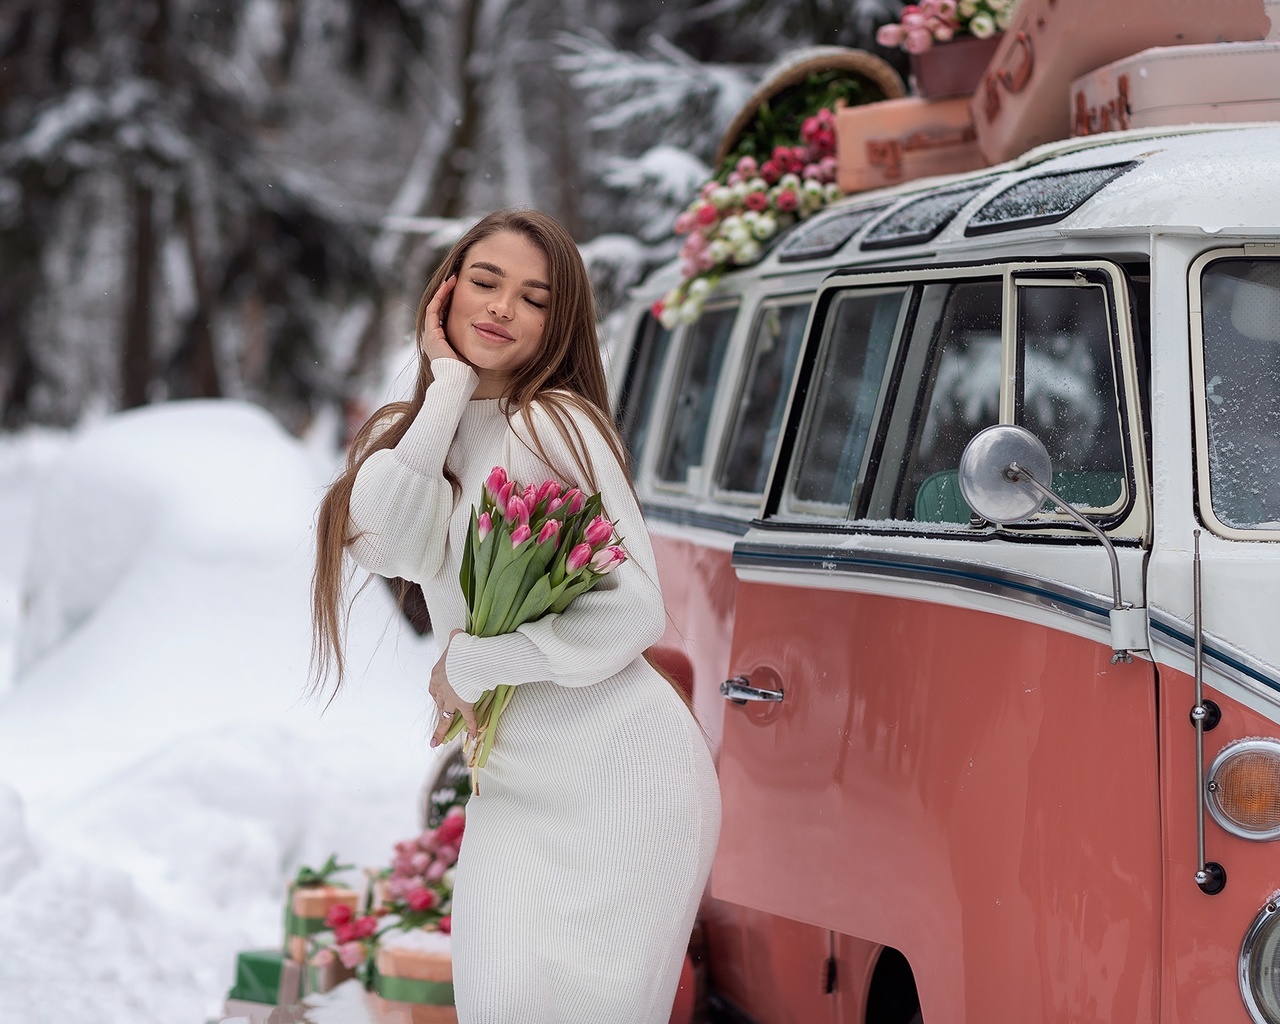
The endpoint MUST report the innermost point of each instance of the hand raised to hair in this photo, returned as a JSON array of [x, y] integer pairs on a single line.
[[435, 343]]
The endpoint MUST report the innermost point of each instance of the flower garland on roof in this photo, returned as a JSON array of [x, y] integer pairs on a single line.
[[770, 180], [940, 21]]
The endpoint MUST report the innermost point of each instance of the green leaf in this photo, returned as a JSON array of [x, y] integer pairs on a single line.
[[466, 575]]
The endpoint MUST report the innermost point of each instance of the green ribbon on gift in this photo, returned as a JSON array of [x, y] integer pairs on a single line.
[[258, 976], [412, 990]]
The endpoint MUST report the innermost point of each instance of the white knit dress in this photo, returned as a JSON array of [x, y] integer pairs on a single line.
[[588, 849]]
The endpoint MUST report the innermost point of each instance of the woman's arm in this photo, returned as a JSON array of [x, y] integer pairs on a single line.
[[401, 501], [603, 630]]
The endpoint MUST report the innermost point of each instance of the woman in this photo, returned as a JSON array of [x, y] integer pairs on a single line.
[[588, 848]]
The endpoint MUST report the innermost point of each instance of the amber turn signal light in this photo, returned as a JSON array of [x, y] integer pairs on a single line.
[[1244, 788]]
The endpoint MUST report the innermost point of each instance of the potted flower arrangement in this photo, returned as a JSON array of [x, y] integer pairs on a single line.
[[950, 42], [414, 892], [776, 165]]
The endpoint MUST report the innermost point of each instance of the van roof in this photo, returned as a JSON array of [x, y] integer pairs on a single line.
[[1203, 179]]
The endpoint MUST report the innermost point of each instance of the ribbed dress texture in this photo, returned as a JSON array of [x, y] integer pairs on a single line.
[[588, 848]]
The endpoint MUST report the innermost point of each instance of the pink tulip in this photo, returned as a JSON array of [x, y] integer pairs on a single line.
[[578, 557], [598, 531], [518, 511], [550, 530], [520, 534], [574, 498], [484, 525], [495, 480], [555, 503], [503, 496], [549, 489], [420, 898], [607, 559], [530, 495], [351, 954]]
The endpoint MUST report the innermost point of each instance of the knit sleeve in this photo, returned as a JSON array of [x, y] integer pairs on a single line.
[[401, 501], [603, 630]]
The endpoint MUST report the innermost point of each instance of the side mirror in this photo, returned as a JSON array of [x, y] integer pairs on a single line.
[[1005, 473]]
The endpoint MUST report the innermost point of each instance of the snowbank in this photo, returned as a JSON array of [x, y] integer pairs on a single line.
[[161, 773]]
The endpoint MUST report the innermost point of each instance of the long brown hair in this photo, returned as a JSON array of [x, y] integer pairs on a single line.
[[567, 371]]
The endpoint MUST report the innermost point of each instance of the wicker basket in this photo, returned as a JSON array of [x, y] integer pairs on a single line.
[[795, 67]]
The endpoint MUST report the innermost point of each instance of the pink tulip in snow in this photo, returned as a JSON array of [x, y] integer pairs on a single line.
[[578, 557], [351, 954], [607, 559], [520, 534], [550, 530], [598, 531], [484, 525]]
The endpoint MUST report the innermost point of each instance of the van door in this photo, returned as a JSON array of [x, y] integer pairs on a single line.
[[955, 768]]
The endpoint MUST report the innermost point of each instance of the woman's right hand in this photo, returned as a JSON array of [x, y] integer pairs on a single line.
[[435, 343]]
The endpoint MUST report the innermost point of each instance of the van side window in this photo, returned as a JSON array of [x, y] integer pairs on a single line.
[[1241, 328], [858, 339], [771, 363], [635, 404], [950, 391], [702, 353], [1066, 392]]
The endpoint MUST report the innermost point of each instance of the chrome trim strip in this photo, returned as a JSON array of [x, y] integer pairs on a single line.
[[1166, 628], [700, 520]]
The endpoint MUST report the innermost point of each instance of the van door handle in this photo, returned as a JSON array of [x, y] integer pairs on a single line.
[[739, 690]]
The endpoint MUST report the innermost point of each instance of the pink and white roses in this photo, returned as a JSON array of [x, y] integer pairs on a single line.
[[940, 21]]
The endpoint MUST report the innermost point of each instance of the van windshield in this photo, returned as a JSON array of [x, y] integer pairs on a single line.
[[1241, 329]]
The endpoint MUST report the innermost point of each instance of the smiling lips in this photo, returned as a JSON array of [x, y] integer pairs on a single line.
[[492, 331]]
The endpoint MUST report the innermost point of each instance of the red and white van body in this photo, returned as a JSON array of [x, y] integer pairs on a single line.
[[963, 808]]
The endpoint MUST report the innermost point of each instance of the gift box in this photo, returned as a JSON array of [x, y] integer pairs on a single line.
[[306, 910], [323, 978], [413, 984], [1024, 98], [1180, 85], [266, 976], [900, 140]]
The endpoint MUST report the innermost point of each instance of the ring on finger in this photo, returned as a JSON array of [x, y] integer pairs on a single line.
[[447, 714]]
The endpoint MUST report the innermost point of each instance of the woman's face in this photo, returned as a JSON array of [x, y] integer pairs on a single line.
[[498, 308]]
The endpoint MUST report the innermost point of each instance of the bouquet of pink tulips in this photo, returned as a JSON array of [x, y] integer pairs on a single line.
[[529, 552]]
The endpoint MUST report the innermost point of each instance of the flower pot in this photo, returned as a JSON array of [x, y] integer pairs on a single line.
[[954, 68]]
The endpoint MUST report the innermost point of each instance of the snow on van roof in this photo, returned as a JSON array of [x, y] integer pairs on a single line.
[[1211, 178]]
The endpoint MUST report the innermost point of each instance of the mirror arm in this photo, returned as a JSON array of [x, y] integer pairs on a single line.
[[1128, 624]]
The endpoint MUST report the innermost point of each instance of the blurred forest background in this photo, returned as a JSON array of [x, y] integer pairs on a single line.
[[204, 198]]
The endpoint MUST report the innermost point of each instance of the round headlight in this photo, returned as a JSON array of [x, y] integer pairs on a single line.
[[1260, 964], [1243, 788]]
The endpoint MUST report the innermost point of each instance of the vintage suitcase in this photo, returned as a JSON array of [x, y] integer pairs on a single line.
[[899, 140], [1023, 100], [1180, 85]]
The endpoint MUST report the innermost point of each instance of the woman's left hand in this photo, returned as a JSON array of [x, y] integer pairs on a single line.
[[447, 702]]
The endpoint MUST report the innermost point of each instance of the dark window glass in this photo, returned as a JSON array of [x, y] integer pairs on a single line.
[[921, 219], [958, 328], [1042, 200], [813, 241], [1067, 393], [1242, 390], [635, 405], [703, 352], [775, 346], [858, 337]]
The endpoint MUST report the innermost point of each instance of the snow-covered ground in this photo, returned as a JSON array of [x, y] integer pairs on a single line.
[[162, 771]]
